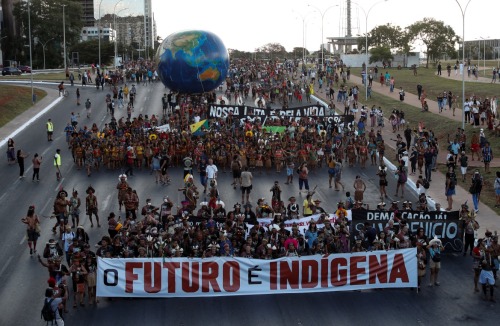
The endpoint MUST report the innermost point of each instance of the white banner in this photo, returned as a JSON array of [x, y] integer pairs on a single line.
[[183, 277]]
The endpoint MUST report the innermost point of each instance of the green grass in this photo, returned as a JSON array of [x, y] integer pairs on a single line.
[[440, 125], [434, 85], [14, 100], [56, 76]]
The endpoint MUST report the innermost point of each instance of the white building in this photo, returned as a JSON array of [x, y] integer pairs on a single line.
[[91, 33]]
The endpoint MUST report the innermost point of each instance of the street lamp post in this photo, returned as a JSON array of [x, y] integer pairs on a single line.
[[322, 13], [64, 38], [44, 45], [463, 10], [484, 54], [31, 53], [99, 32], [114, 27], [366, 42], [303, 17]]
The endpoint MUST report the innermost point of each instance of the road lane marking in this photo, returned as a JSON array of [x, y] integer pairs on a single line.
[[22, 240], [6, 265]]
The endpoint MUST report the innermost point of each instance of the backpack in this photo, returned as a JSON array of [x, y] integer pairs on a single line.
[[426, 184], [47, 313]]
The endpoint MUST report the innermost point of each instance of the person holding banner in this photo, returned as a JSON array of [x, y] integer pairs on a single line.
[[435, 247], [421, 259]]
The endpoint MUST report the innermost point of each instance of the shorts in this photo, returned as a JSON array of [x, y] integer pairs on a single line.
[[236, 174], [450, 192], [497, 192], [433, 264], [486, 277], [463, 170], [382, 183], [289, 171], [331, 172], [246, 189], [32, 235]]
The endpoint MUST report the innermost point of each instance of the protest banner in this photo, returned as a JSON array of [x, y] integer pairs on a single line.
[[228, 276], [444, 225]]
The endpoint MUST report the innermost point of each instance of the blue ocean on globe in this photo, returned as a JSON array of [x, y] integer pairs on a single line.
[[192, 61]]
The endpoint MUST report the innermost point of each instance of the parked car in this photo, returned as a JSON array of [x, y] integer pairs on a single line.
[[11, 71], [25, 69]]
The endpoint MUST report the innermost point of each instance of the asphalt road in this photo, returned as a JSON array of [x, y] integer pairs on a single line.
[[23, 279]]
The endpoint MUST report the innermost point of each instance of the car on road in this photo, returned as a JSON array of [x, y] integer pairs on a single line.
[[25, 69], [11, 71]]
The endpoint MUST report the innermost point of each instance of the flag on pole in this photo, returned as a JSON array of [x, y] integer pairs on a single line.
[[196, 128]]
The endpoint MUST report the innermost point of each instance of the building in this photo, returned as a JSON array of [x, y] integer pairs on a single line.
[[91, 33], [131, 30], [87, 12]]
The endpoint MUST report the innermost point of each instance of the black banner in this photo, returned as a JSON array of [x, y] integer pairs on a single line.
[[444, 225], [310, 111]]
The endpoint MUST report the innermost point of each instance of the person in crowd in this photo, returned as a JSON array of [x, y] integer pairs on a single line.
[[435, 248]]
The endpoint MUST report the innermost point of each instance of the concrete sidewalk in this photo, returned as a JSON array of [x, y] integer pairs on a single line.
[[412, 99], [487, 218]]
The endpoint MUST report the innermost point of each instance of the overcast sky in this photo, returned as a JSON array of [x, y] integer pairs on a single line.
[[246, 25]]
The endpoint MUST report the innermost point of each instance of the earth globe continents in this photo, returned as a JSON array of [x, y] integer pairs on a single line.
[[192, 61]]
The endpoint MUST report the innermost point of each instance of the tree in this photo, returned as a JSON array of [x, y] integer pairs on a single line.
[[392, 37], [273, 50], [436, 36], [88, 53], [298, 51], [9, 29], [46, 23], [381, 53]]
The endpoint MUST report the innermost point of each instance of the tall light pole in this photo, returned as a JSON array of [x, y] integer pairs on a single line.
[[484, 54], [366, 42], [99, 32], [37, 40], [303, 17], [463, 10], [114, 27], [322, 13], [31, 53], [64, 38]]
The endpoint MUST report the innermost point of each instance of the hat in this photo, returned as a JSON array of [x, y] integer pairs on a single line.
[[274, 226], [80, 227], [381, 204], [435, 241], [90, 189], [317, 201], [63, 192], [220, 202], [122, 176]]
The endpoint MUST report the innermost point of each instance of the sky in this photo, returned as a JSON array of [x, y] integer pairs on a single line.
[[247, 25]]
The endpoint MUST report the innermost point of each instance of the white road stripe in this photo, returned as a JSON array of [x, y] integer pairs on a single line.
[[6, 265]]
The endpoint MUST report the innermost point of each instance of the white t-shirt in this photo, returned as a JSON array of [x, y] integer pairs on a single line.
[[246, 178], [68, 239], [211, 171]]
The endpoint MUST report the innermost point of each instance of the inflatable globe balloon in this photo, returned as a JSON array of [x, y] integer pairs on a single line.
[[192, 61]]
